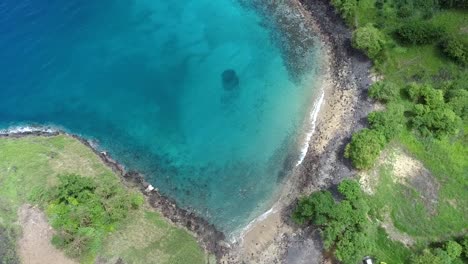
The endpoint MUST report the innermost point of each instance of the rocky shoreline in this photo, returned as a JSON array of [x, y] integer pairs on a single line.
[[347, 76], [350, 74], [212, 240]]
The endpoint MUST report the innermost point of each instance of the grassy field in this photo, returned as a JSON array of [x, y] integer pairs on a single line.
[[402, 62], [407, 205], [33, 163], [445, 159]]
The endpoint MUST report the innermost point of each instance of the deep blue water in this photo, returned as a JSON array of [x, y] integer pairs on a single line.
[[144, 79]]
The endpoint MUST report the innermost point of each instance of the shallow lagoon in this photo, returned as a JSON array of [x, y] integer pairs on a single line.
[[145, 80]]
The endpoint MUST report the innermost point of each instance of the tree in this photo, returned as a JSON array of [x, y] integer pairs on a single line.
[[365, 148], [369, 39]]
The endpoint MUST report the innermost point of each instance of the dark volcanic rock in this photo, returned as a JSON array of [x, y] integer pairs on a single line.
[[230, 80], [208, 236]]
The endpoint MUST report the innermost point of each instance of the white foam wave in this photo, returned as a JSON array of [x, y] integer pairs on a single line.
[[313, 119], [27, 129], [244, 230]]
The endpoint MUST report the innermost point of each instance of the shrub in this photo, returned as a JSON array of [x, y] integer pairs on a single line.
[[365, 148], [449, 254], [379, 4], [438, 122], [369, 39], [347, 9], [457, 100], [425, 94], [465, 246], [383, 91], [454, 3], [83, 211], [426, 257], [351, 190], [314, 208], [453, 249], [419, 33], [456, 49], [405, 11], [390, 122], [8, 248]]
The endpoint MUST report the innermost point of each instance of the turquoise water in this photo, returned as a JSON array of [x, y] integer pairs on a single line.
[[144, 78]]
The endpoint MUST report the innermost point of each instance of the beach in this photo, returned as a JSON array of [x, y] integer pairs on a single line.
[[273, 237]]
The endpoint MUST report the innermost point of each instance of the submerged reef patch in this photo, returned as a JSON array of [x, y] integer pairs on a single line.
[[230, 80]]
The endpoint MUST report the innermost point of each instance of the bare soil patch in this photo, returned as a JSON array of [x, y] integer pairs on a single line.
[[405, 170], [411, 172], [34, 246]]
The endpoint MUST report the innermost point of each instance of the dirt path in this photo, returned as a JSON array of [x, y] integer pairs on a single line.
[[34, 245]]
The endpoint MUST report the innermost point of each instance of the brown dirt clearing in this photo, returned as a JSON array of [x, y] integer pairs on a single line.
[[34, 246]]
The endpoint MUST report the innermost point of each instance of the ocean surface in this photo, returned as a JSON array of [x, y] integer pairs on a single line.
[[195, 94]]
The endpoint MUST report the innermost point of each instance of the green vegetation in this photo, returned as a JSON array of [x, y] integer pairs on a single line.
[[344, 224], [456, 49], [388, 123], [419, 32], [369, 39], [83, 211], [449, 253], [384, 91], [430, 115], [454, 3], [365, 148], [85, 203], [421, 53], [347, 8]]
